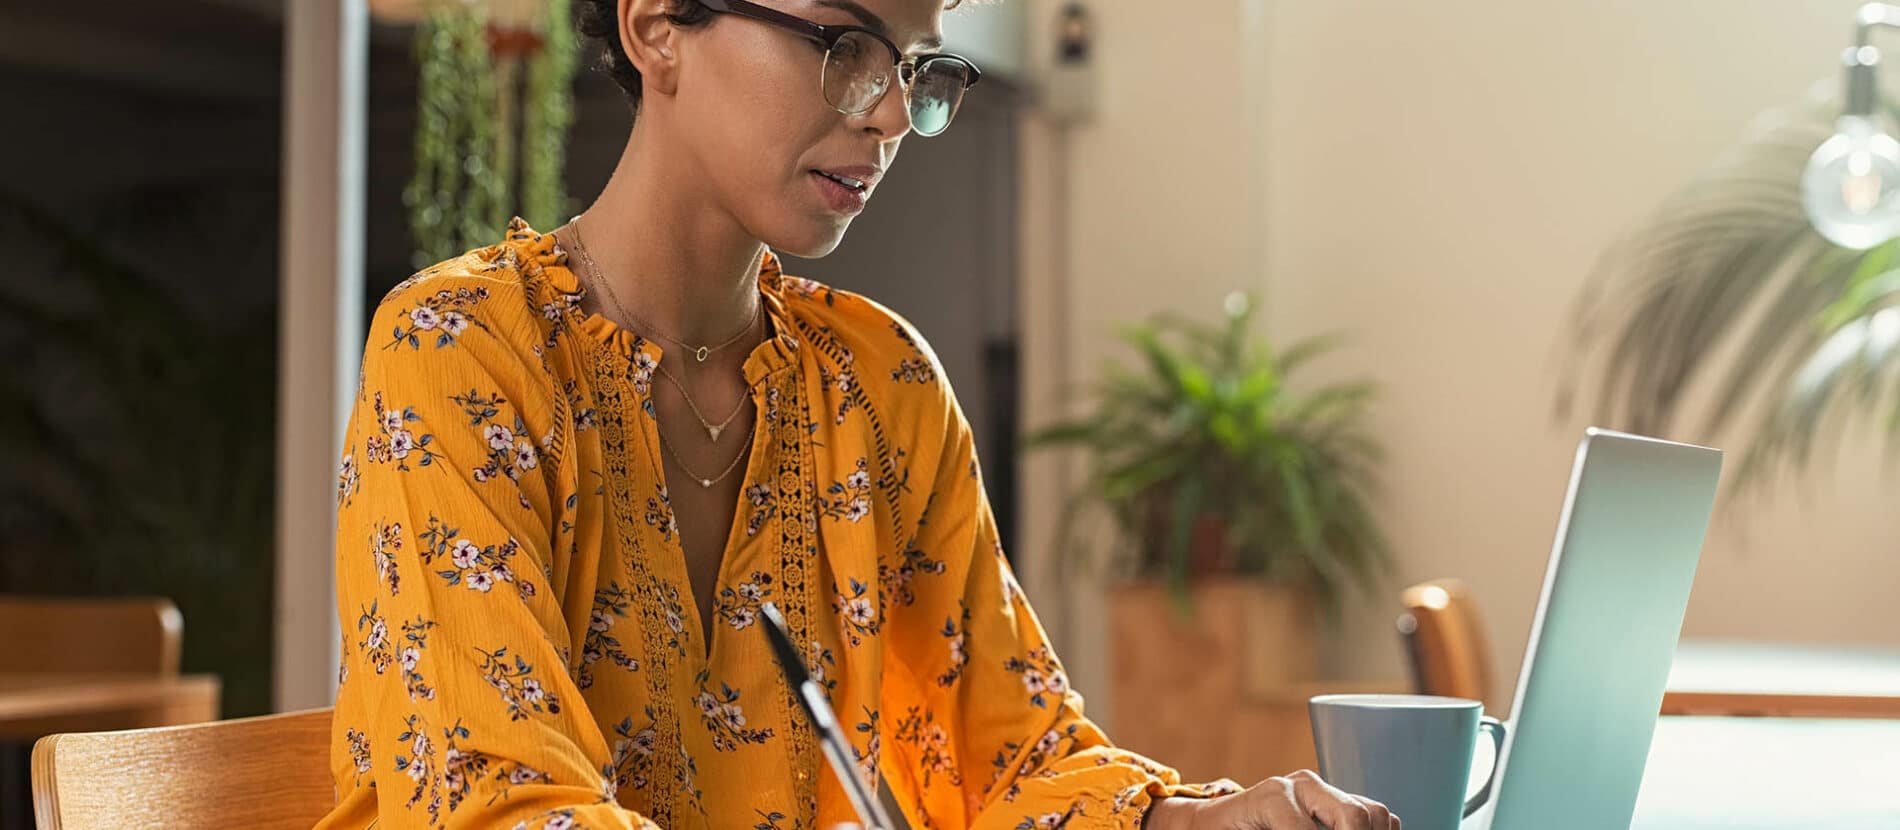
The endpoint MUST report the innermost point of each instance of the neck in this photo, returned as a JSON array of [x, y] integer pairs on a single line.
[[672, 256]]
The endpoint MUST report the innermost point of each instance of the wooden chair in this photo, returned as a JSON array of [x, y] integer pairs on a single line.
[[123, 635], [260, 773], [1444, 639]]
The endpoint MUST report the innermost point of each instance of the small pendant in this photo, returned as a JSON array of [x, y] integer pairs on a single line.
[[714, 431], [702, 353], [706, 483]]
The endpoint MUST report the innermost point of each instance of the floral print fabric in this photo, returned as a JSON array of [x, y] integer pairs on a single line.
[[519, 649]]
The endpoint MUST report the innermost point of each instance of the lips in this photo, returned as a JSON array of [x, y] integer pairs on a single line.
[[856, 177], [847, 181], [846, 189], [838, 196]]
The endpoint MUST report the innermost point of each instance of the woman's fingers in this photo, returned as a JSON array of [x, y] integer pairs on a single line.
[[1338, 809], [1279, 799], [1300, 801], [1382, 818]]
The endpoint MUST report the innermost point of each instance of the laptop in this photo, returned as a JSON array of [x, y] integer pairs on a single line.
[[1607, 621]]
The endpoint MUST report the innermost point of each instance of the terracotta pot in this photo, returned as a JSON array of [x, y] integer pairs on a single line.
[[1266, 631], [1208, 553], [1178, 677]]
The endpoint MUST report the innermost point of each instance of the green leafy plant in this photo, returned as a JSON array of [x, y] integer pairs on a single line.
[[458, 194], [473, 109], [1729, 287], [1208, 462], [549, 98]]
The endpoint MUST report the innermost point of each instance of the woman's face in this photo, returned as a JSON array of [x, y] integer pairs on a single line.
[[750, 109]]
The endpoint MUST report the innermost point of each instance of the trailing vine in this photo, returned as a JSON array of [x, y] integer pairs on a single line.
[[546, 117], [467, 171]]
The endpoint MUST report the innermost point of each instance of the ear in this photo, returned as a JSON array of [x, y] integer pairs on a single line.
[[650, 40]]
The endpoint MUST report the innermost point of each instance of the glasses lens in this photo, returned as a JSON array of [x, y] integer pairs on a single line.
[[935, 92], [857, 72]]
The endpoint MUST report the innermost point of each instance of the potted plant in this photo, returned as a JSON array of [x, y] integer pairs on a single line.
[[1240, 505]]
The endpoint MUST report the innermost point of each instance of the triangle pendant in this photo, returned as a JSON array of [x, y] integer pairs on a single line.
[[714, 431]]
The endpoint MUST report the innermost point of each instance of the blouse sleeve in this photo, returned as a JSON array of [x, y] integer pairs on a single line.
[[985, 730], [456, 704]]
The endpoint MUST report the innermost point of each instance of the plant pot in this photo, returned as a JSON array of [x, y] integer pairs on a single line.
[[1208, 551], [1178, 677]]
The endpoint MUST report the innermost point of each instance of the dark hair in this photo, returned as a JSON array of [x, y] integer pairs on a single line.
[[600, 20]]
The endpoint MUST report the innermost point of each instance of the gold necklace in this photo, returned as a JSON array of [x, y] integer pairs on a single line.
[[700, 353], [704, 481], [712, 429]]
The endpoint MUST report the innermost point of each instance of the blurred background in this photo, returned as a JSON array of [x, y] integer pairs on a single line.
[[1264, 311]]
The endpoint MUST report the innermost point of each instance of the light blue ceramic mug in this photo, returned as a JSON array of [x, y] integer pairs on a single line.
[[1411, 753]]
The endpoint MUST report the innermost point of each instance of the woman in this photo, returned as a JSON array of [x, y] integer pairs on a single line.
[[581, 460]]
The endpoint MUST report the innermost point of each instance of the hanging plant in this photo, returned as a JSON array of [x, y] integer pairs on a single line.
[[546, 117], [473, 110], [454, 196]]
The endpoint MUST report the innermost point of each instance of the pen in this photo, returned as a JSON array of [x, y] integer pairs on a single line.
[[823, 721]]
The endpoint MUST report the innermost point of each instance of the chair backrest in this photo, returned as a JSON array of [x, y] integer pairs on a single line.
[[119, 635], [1445, 640], [262, 773]]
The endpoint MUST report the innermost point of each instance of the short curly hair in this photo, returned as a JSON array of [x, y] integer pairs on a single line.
[[599, 20]]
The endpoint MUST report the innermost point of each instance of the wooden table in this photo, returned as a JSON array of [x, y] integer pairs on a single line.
[[1774, 680], [32, 705]]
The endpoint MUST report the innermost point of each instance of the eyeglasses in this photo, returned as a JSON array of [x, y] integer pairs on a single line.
[[854, 76]]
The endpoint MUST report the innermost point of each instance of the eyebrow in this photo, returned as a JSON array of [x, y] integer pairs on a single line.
[[873, 22]]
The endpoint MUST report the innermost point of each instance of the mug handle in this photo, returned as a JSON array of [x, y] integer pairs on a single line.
[[1496, 728]]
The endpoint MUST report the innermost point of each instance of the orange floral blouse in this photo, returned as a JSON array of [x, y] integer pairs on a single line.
[[519, 645]]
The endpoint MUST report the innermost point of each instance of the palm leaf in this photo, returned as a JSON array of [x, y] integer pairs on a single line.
[[1728, 287]]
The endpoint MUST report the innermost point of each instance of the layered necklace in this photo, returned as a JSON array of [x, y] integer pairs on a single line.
[[700, 353]]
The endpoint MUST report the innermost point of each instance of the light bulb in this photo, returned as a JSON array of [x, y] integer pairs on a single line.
[[1851, 189]]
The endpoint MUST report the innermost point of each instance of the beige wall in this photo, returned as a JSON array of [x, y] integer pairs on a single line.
[[1142, 206], [1436, 180]]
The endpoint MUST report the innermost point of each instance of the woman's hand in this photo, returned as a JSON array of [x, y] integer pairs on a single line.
[[1300, 801]]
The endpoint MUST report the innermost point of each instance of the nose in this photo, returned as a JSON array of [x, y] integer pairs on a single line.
[[889, 119]]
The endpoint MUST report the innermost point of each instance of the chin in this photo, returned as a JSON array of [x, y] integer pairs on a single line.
[[811, 243]]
